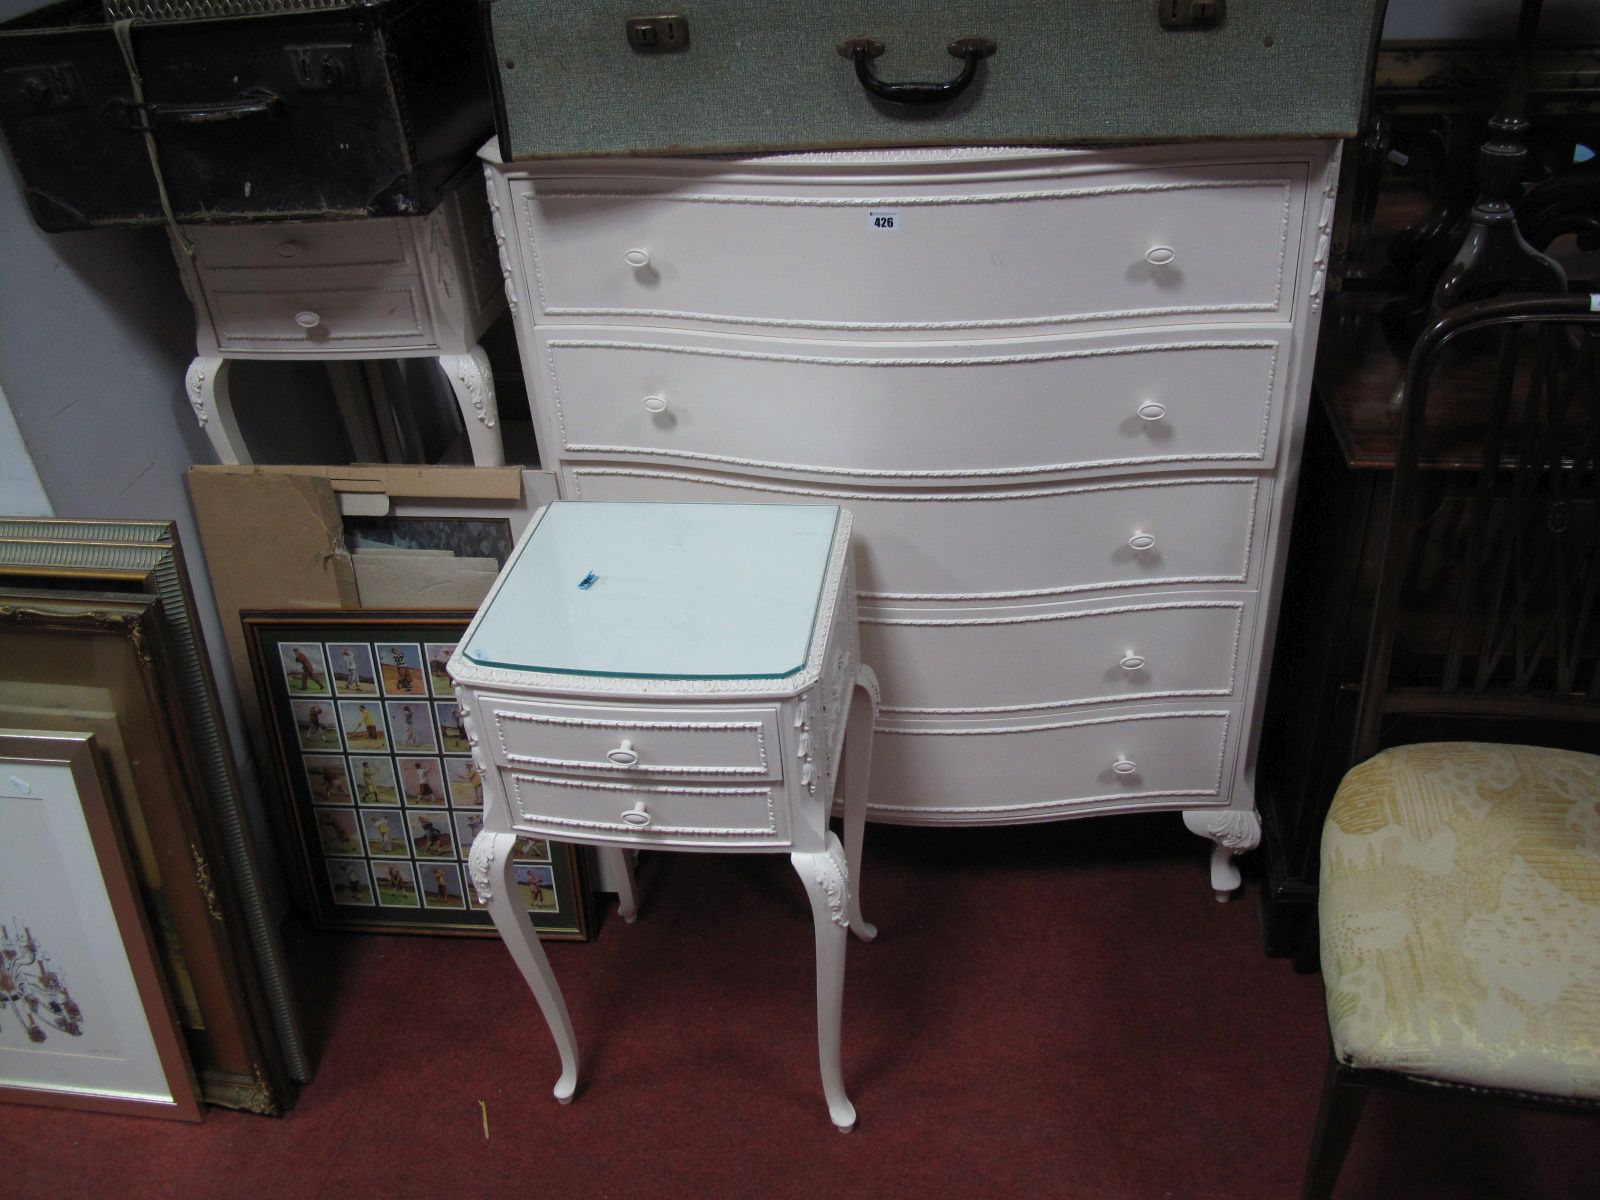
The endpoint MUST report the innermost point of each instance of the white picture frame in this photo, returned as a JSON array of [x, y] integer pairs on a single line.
[[86, 1020]]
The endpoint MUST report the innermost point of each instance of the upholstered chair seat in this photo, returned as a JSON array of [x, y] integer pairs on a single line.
[[1460, 916]]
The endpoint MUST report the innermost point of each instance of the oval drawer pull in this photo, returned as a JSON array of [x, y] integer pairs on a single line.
[[655, 404], [289, 249], [1142, 542], [1124, 766], [638, 258], [1160, 256], [1132, 662], [624, 755], [1152, 410], [638, 816], [307, 319]]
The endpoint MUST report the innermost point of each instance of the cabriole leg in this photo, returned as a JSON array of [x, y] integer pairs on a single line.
[[1234, 831], [492, 876], [827, 884], [857, 771], [207, 384], [473, 384], [616, 874]]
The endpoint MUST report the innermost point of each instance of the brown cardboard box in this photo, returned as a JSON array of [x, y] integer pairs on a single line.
[[274, 536]]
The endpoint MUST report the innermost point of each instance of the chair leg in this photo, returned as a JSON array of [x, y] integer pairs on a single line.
[[1343, 1095]]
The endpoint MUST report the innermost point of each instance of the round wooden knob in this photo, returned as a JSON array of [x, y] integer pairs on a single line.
[[1132, 662], [307, 320], [638, 258], [1124, 766], [1152, 410], [638, 816], [1160, 256], [1142, 542], [655, 404]]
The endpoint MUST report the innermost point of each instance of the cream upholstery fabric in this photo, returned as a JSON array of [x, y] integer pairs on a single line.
[[1460, 914]]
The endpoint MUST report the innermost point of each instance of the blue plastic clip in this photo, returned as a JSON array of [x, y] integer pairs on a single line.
[[587, 581]]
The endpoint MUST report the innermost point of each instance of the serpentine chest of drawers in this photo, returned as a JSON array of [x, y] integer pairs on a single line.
[[1062, 392]]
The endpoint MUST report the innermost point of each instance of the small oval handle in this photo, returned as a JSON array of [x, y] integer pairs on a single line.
[[1124, 765], [1160, 256], [638, 258], [624, 755], [307, 319], [638, 816], [289, 249], [1142, 542], [863, 50], [1131, 661], [1152, 410], [655, 404]]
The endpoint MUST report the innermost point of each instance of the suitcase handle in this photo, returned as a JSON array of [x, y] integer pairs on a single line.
[[863, 50], [256, 102]]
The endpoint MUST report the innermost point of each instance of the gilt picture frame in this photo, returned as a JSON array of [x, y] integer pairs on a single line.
[[145, 558], [85, 1017], [380, 794], [98, 662]]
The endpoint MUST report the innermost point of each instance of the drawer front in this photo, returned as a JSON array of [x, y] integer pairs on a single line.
[[388, 314], [1018, 658], [300, 246], [733, 743], [604, 810], [974, 545], [1033, 406], [998, 773], [1162, 244]]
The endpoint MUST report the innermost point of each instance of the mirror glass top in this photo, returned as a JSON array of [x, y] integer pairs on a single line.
[[667, 591]]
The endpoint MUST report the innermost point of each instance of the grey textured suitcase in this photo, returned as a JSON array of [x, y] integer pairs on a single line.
[[576, 77]]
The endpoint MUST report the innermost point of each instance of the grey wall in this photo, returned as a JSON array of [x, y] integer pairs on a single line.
[[95, 336], [21, 493]]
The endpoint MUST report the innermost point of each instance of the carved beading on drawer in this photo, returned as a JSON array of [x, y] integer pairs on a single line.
[[1057, 406], [1018, 542], [1075, 656], [1227, 229], [595, 808], [735, 743], [944, 770]]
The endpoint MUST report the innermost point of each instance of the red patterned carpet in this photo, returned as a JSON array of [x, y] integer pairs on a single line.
[[1051, 1011]]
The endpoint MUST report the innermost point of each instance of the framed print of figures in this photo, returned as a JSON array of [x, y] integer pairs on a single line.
[[380, 793], [85, 1017], [102, 662], [259, 1042]]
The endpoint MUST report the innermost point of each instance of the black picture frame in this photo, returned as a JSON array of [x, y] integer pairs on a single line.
[[377, 787]]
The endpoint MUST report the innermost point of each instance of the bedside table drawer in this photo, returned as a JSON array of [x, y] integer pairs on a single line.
[[387, 313], [740, 743], [600, 810], [300, 246]]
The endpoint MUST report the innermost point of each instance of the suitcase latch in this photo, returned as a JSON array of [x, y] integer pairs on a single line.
[[324, 68], [658, 34]]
